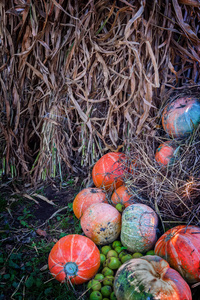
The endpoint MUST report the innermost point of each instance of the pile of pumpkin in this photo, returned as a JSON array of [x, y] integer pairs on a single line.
[[78, 259]]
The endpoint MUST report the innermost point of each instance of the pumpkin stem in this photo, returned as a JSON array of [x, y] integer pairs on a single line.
[[71, 269]]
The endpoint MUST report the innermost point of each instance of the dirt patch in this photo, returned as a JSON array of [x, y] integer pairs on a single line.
[[61, 198], [23, 214]]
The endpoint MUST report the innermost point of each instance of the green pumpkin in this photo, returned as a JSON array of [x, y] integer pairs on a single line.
[[181, 116], [148, 278], [139, 226]]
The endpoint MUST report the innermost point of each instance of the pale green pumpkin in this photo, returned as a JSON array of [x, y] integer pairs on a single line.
[[139, 227]]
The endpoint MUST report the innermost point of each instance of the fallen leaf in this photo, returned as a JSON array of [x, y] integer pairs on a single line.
[[44, 198], [45, 267], [41, 232]]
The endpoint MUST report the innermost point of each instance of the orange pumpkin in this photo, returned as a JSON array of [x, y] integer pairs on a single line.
[[75, 258], [85, 198], [180, 246], [165, 154], [109, 170], [121, 195], [101, 222]]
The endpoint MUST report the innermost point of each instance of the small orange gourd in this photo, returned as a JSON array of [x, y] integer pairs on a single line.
[[165, 154], [87, 197], [75, 258], [121, 195], [101, 222]]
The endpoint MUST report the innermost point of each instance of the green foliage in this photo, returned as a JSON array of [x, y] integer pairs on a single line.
[[24, 253], [24, 217]]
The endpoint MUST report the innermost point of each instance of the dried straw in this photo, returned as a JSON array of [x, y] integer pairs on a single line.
[[79, 78], [173, 191]]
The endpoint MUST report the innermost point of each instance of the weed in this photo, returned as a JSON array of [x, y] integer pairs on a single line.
[[69, 182], [25, 275], [24, 217]]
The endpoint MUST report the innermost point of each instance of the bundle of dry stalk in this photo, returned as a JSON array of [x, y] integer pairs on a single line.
[[80, 78]]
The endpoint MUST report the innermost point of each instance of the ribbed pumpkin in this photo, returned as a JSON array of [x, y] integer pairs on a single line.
[[75, 258], [121, 195], [165, 154], [150, 277], [85, 198], [101, 222], [109, 170], [180, 246], [181, 116], [139, 226]]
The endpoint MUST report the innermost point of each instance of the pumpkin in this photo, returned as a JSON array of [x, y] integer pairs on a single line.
[[150, 277], [74, 257], [121, 195], [109, 171], [139, 226], [181, 116], [101, 222], [165, 154], [180, 246], [85, 198]]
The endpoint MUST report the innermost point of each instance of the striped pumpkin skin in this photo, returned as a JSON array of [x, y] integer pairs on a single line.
[[165, 153], [101, 222], [121, 195], [87, 197], [74, 257], [180, 246], [150, 277], [139, 226], [181, 117], [109, 170]]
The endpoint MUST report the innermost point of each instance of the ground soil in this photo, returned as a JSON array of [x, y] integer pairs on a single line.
[[42, 210]]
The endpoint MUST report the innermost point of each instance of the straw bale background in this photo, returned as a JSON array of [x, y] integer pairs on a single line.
[[80, 78]]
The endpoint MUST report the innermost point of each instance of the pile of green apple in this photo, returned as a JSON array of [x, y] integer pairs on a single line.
[[112, 257]]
